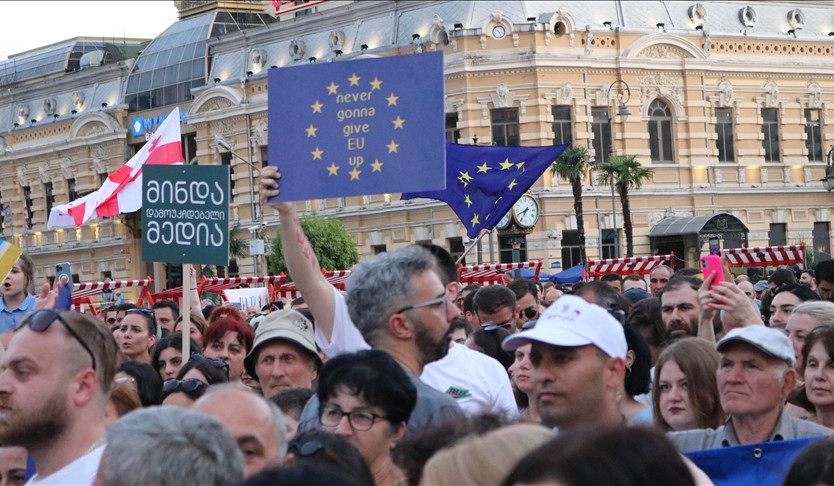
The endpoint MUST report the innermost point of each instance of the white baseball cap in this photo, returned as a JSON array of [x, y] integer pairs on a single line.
[[571, 322], [769, 340]]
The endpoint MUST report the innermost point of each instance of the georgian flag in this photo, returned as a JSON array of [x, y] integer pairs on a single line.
[[122, 191]]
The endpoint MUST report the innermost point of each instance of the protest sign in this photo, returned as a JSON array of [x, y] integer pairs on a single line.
[[366, 126], [185, 214]]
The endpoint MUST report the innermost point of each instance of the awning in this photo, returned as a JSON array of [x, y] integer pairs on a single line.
[[641, 265], [493, 273], [693, 225]]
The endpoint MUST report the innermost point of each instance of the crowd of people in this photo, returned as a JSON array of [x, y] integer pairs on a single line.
[[407, 378]]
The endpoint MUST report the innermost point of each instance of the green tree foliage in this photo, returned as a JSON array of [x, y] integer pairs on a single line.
[[572, 165], [625, 173], [333, 245]]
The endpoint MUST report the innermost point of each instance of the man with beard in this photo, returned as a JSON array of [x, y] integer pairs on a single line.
[[54, 387], [679, 307]]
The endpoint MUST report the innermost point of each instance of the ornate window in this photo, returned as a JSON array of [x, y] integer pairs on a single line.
[[562, 125], [601, 128], [660, 132], [725, 141], [813, 133], [770, 130], [452, 130], [505, 127]]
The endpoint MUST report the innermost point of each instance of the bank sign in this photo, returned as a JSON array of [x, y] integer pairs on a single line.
[[145, 126]]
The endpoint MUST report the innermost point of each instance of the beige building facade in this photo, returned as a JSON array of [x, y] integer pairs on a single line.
[[727, 101]]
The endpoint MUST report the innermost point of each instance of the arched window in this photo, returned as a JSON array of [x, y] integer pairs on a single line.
[[660, 132]]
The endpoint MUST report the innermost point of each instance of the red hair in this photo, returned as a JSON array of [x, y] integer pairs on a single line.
[[229, 310], [220, 327]]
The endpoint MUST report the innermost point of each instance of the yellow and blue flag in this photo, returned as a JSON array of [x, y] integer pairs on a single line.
[[366, 126], [483, 183]]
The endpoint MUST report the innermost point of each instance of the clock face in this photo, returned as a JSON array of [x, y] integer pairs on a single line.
[[526, 211], [498, 32], [505, 221]]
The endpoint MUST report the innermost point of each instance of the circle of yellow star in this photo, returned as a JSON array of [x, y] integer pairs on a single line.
[[376, 83], [512, 184], [354, 80], [392, 147], [392, 100], [311, 131], [377, 165], [354, 174], [333, 170], [475, 221], [316, 107], [333, 88], [398, 123], [468, 201], [483, 168], [317, 153], [506, 164]]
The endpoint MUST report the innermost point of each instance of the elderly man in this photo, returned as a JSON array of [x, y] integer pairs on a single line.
[[578, 352], [260, 433], [54, 387], [658, 278], [284, 353], [755, 376], [169, 446]]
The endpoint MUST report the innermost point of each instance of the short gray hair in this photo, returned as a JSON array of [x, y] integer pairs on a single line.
[[278, 422], [380, 285], [170, 446]]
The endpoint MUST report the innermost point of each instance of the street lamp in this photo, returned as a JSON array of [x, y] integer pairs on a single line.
[[623, 95], [252, 207], [828, 180]]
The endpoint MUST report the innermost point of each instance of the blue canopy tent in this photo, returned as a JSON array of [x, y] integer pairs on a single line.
[[529, 274], [570, 276]]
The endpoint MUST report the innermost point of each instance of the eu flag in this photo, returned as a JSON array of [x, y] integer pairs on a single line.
[[483, 183], [366, 126]]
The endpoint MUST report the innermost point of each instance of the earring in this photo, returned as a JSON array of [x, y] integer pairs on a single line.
[[628, 372]]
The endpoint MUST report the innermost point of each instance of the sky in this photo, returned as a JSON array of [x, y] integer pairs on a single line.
[[31, 24]]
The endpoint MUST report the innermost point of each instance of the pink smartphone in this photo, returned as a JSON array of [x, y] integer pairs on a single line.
[[712, 264]]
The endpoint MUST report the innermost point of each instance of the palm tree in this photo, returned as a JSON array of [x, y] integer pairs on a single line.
[[625, 173], [571, 165]]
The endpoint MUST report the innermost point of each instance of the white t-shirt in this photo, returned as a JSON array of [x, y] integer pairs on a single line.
[[477, 382], [81, 471]]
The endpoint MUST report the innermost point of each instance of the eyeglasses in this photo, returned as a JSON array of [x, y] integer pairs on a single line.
[[214, 362], [488, 326], [111, 320], [125, 379], [530, 312], [147, 312], [529, 325], [618, 314], [188, 386], [40, 320], [440, 299], [358, 420]]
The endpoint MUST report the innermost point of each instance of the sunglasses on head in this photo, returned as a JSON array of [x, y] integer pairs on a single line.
[[40, 320], [188, 386], [488, 326], [147, 312], [214, 362]]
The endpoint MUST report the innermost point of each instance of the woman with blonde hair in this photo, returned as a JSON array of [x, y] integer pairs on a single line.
[[475, 461], [806, 317], [685, 390]]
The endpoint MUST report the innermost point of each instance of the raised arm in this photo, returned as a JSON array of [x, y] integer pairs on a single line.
[[302, 263]]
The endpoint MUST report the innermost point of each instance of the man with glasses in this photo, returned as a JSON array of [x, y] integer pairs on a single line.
[[527, 300], [54, 388], [496, 305], [658, 278]]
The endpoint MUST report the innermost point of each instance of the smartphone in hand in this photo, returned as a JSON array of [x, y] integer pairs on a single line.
[[712, 264]]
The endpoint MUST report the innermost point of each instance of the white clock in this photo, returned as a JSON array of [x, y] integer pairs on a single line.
[[526, 211], [505, 221], [498, 32]]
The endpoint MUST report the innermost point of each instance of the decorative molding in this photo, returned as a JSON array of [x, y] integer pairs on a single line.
[[336, 40], [665, 86], [497, 19], [439, 33], [665, 51], [814, 100], [748, 17], [260, 133], [672, 43], [454, 104], [589, 38], [78, 99], [22, 113], [771, 99], [725, 98], [297, 49], [215, 98]]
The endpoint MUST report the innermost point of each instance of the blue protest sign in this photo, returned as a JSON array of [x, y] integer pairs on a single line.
[[765, 463], [366, 126]]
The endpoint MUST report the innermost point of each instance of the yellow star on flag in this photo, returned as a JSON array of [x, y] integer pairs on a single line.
[[483, 168], [398, 123], [467, 201], [377, 165], [392, 147], [333, 170], [475, 220], [354, 174], [317, 153], [333, 88], [316, 107], [354, 80], [311, 131], [506, 164], [520, 165], [464, 176], [392, 100], [376, 84], [512, 184]]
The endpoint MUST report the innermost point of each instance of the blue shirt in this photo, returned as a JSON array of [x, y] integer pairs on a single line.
[[8, 318]]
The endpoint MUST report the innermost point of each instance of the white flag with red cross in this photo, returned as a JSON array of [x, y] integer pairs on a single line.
[[122, 191]]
